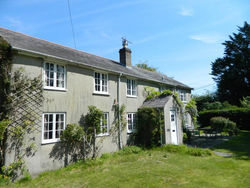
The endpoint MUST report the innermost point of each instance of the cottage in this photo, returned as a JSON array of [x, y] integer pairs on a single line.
[[74, 79]]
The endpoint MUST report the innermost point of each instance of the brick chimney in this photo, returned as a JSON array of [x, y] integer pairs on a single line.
[[125, 54]]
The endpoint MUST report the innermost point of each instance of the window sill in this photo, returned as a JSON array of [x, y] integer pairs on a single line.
[[45, 142], [55, 89], [102, 135], [131, 96], [100, 93]]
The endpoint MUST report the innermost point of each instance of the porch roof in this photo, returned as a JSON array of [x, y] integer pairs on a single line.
[[158, 102]]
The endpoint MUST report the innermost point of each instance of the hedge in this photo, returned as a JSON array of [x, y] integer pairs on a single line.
[[241, 116]]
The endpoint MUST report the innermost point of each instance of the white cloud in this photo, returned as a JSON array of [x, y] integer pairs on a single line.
[[186, 11], [208, 38]]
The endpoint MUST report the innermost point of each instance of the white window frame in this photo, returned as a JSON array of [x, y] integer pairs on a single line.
[[54, 77], [130, 94], [182, 96], [54, 139], [101, 84], [133, 119], [107, 124]]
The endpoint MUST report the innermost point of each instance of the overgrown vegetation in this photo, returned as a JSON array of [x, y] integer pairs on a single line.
[[20, 102], [149, 127]]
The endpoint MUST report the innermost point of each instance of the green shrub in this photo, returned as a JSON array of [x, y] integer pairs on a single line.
[[149, 127], [241, 116], [72, 140], [130, 150], [72, 134], [221, 124], [218, 124]]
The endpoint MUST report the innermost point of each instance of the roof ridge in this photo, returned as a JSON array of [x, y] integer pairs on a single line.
[[57, 44]]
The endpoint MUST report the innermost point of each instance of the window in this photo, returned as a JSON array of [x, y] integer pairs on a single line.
[[101, 82], [104, 125], [182, 96], [53, 125], [131, 87], [131, 122], [54, 76]]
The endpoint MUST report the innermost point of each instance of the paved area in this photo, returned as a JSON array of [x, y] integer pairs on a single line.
[[223, 154], [207, 141]]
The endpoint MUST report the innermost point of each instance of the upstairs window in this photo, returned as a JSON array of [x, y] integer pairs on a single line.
[[101, 83], [131, 122], [183, 96], [104, 125], [55, 76], [53, 125], [131, 88]]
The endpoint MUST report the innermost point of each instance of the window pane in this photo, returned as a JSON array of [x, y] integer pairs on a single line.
[[51, 67]]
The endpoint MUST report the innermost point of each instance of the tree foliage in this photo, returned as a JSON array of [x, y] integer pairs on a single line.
[[232, 72], [146, 67]]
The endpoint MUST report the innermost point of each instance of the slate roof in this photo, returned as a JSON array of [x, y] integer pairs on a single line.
[[24, 42], [158, 102]]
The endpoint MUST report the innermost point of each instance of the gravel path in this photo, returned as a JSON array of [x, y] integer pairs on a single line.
[[223, 154]]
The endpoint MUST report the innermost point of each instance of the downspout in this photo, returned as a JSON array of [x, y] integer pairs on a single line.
[[119, 121]]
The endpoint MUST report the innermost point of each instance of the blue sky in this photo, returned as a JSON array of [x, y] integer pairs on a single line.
[[179, 37]]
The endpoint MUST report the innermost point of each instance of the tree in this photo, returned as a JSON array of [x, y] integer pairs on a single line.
[[145, 66], [232, 72]]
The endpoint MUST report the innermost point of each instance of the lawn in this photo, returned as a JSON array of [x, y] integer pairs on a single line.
[[238, 145], [161, 167]]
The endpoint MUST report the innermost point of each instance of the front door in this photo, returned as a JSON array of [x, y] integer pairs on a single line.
[[173, 127]]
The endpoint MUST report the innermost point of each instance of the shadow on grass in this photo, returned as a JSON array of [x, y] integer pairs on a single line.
[[238, 145]]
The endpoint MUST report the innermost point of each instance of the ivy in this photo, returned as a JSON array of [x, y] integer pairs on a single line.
[[151, 93], [191, 108]]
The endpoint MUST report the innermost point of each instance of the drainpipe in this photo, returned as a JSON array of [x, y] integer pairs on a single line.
[[119, 121]]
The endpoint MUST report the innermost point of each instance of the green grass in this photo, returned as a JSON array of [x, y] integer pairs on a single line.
[[169, 166], [238, 145]]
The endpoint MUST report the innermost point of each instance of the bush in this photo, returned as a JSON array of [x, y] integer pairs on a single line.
[[221, 124], [241, 116], [72, 134], [72, 140], [149, 127]]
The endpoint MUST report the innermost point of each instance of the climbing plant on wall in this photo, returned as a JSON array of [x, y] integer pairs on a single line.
[[21, 99], [189, 108]]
